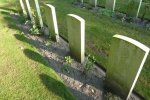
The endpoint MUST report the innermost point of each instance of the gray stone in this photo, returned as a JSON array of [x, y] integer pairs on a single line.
[[126, 60], [76, 36], [50, 15], [110, 4]]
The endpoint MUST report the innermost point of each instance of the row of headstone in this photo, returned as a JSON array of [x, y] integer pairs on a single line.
[[50, 16], [126, 58], [76, 38], [111, 4]]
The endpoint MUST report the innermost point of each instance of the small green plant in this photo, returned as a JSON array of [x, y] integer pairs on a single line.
[[89, 64], [68, 62], [48, 43], [34, 29], [110, 96], [148, 27]]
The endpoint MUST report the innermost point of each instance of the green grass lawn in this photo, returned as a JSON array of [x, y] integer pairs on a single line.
[[24, 74], [99, 32]]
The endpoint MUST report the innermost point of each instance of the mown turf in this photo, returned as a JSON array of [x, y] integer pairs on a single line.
[[24, 74], [99, 32]]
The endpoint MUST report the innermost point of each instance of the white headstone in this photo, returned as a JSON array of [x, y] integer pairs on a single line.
[[93, 2], [26, 10], [29, 9], [51, 19], [22, 7], [126, 60], [38, 11], [140, 3], [76, 36], [110, 4]]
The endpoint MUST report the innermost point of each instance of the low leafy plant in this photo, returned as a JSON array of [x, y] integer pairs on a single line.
[[34, 29], [89, 64], [68, 62], [110, 96], [148, 27]]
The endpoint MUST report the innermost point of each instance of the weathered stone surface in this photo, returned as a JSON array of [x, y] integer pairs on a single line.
[[22, 6], [76, 36], [126, 60], [110, 4], [50, 15]]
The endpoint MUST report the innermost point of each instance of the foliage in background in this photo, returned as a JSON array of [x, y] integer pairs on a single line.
[[67, 65], [34, 29]]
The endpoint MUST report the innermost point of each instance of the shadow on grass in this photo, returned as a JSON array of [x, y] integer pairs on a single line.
[[22, 38], [35, 56], [56, 87], [15, 23]]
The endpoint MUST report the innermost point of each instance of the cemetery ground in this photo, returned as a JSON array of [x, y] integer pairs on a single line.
[[99, 31], [20, 76], [83, 87]]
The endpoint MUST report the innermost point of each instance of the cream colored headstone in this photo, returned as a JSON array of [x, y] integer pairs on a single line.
[[139, 7], [51, 19], [93, 2], [22, 7], [76, 36], [38, 11], [29, 9], [25, 6], [110, 4], [126, 60]]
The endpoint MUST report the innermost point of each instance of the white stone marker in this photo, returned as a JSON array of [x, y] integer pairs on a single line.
[[38, 11], [29, 10], [110, 4], [22, 7], [126, 60], [76, 36], [51, 19], [82, 1], [79, 1], [140, 3], [93, 2], [25, 6]]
